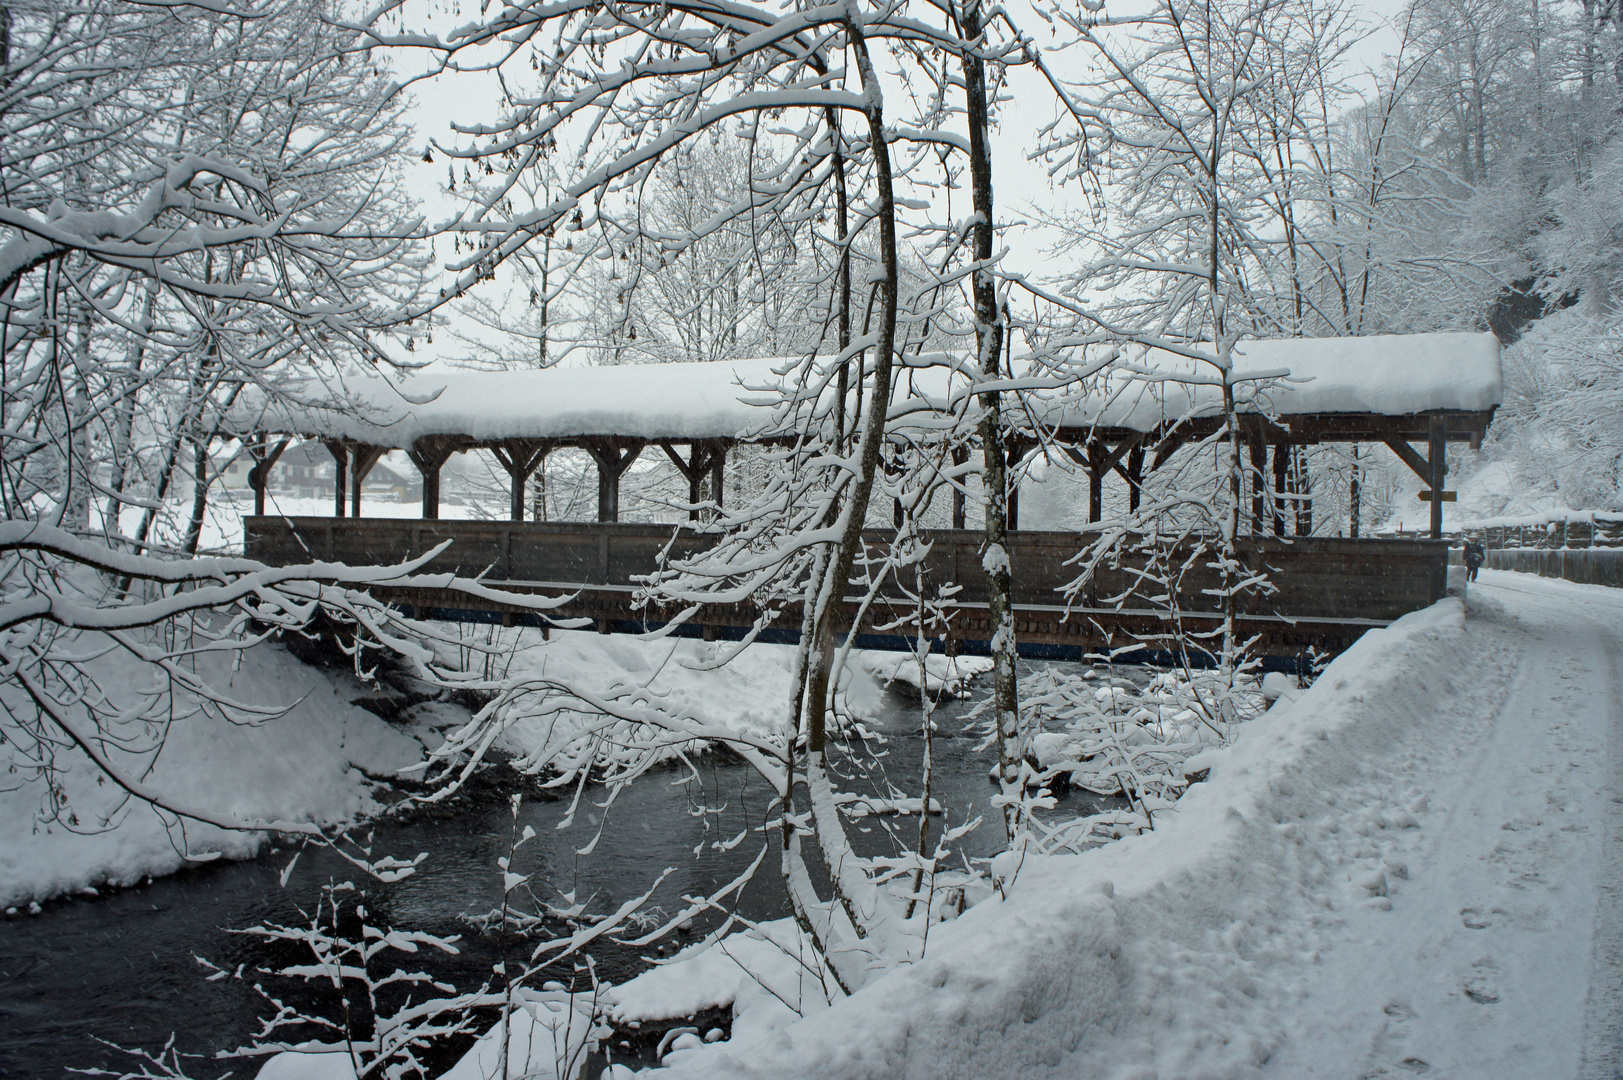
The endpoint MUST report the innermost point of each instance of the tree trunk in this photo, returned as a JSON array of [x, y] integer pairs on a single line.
[[76, 507], [989, 332], [852, 891], [123, 428], [200, 494]]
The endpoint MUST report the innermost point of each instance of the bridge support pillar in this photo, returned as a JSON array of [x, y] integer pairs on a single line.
[[1439, 472], [265, 457], [1282, 458], [1135, 476], [520, 457], [430, 454], [1014, 456], [1432, 470], [704, 456], [960, 457], [362, 457], [613, 457], [339, 450], [1354, 495], [1096, 482], [1100, 459], [1259, 482], [1301, 485]]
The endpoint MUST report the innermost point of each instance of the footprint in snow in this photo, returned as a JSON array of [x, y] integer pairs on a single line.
[[1480, 986], [1387, 1049]]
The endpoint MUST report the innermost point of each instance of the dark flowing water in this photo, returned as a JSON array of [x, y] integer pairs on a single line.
[[123, 967]]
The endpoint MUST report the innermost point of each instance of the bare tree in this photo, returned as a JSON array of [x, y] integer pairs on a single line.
[[196, 202], [631, 92]]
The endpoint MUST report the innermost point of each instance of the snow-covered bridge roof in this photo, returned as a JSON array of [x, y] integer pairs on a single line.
[[1389, 375], [1379, 376]]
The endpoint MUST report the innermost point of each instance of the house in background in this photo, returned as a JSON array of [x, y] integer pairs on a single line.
[[305, 471]]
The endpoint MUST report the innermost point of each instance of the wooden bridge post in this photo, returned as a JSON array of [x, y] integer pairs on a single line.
[[960, 456], [264, 461], [339, 450], [1135, 476], [429, 454], [520, 457], [613, 457], [1282, 460], [1259, 483], [1302, 487], [1354, 496], [890, 463], [704, 455], [1100, 459], [1432, 472], [362, 458], [1015, 455], [1096, 480], [1439, 471]]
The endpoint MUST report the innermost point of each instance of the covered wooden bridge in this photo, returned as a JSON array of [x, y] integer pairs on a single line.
[[1415, 394]]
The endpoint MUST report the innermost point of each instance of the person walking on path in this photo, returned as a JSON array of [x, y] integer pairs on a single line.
[[1475, 556]]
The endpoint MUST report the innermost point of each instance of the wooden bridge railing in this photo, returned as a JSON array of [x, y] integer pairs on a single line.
[[1325, 591]]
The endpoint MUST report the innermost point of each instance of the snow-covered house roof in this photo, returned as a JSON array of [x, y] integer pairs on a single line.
[[1384, 376]]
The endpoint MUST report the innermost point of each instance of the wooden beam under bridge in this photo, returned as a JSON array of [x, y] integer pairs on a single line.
[[1328, 591]]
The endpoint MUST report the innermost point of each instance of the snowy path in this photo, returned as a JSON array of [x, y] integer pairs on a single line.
[[1482, 968], [1416, 869]]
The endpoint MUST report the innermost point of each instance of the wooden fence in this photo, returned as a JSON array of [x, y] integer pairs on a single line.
[[1587, 566], [1604, 532]]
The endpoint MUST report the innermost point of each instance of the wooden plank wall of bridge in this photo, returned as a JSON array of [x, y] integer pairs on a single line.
[[1327, 591]]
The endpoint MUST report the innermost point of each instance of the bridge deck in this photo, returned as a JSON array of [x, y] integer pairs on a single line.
[[1327, 591]]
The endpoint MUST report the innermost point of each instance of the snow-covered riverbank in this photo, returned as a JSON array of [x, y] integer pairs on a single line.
[[746, 692], [1405, 870], [1397, 873], [308, 765], [312, 763]]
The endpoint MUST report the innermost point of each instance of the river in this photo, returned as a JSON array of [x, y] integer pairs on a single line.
[[122, 967]]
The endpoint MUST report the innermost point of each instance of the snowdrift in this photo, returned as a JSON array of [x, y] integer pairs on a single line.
[[1159, 956], [308, 764]]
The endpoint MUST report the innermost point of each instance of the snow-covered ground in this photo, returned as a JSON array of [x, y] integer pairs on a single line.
[[1503, 960], [746, 691], [1413, 868], [310, 764], [307, 765]]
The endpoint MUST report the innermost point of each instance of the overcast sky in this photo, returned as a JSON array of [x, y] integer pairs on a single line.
[[1021, 183]]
